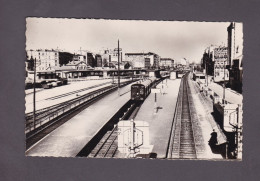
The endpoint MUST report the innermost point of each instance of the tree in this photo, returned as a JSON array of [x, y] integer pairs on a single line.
[[127, 65]]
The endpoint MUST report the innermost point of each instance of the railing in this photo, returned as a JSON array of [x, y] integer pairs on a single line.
[[62, 108]]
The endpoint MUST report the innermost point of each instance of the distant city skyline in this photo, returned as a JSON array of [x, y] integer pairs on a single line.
[[169, 39]]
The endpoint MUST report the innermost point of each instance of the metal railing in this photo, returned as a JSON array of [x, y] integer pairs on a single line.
[[58, 110]]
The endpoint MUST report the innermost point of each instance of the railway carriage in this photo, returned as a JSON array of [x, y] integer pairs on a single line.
[[140, 90]]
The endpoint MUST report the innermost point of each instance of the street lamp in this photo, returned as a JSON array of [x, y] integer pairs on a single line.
[[224, 82], [118, 52], [34, 93]]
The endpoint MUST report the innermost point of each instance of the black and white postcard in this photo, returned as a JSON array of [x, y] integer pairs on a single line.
[[99, 88]]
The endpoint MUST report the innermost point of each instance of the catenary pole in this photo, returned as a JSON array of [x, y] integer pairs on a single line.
[[118, 52], [224, 82], [34, 93]]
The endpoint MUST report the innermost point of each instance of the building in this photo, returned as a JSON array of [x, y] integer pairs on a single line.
[[29, 64], [98, 60], [208, 60], [221, 73], [88, 57], [91, 60], [143, 60], [166, 63], [49, 58], [74, 69], [235, 55], [80, 58], [44, 58], [111, 56]]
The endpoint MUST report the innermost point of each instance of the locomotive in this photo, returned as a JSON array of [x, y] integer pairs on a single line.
[[140, 90]]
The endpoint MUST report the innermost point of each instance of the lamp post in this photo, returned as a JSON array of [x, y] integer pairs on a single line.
[[34, 93], [224, 82], [118, 52], [118, 56]]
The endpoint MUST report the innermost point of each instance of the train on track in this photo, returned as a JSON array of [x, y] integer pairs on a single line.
[[47, 83], [141, 89]]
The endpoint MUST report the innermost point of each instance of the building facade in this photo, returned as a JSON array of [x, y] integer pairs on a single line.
[[78, 57], [98, 59], [91, 60], [44, 58], [208, 60], [235, 55], [143, 60], [49, 58], [111, 56], [166, 63]]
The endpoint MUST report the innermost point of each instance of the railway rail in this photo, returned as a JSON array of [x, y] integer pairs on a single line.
[[107, 146], [186, 137], [51, 112], [29, 116], [52, 118]]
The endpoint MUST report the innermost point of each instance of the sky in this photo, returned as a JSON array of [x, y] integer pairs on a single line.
[[168, 39]]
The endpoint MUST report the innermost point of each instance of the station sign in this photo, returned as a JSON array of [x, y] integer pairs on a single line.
[[220, 54], [155, 90]]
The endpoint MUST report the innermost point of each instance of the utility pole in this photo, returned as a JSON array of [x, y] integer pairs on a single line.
[[118, 52], [34, 93], [224, 82]]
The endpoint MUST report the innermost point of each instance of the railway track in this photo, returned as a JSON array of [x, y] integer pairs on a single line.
[[39, 112], [186, 136], [187, 147], [35, 135], [77, 91], [52, 110], [106, 147]]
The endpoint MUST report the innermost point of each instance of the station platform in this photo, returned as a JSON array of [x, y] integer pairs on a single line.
[[68, 139], [160, 121], [50, 97], [230, 95], [207, 123]]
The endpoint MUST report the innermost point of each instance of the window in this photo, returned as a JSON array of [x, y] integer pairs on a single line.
[[237, 49]]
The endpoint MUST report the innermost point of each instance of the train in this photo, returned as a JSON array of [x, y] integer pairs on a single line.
[[47, 83], [141, 89]]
